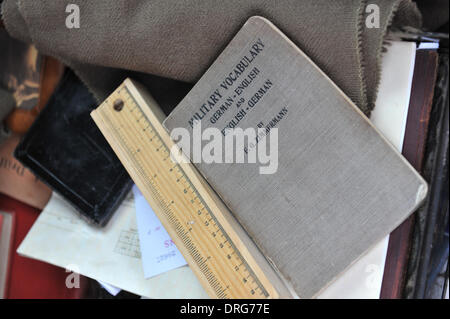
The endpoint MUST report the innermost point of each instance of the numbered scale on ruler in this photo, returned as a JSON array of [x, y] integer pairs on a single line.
[[199, 224]]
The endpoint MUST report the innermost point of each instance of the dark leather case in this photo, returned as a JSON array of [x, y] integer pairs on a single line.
[[66, 150]]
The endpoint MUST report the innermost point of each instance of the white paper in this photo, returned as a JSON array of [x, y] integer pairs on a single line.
[[109, 288], [391, 108], [110, 254], [363, 279], [428, 46], [158, 251]]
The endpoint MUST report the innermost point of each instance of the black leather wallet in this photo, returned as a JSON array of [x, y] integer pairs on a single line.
[[66, 150]]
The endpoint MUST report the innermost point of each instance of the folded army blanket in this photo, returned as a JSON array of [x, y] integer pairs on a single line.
[[180, 39]]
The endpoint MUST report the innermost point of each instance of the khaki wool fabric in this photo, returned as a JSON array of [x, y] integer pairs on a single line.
[[180, 39]]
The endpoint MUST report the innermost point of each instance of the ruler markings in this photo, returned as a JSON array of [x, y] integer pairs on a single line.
[[186, 232], [258, 283]]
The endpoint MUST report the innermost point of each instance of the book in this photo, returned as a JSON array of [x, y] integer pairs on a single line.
[[339, 186], [422, 92], [17, 181], [6, 242], [28, 278], [363, 279]]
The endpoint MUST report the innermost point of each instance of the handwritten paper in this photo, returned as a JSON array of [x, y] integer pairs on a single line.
[[158, 252], [62, 238]]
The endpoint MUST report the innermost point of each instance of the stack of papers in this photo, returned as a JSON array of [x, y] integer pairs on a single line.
[[158, 252], [111, 255]]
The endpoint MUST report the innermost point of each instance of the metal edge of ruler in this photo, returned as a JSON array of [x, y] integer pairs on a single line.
[[255, 262]]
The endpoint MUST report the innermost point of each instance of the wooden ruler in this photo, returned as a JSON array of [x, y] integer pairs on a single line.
[[213, 244]]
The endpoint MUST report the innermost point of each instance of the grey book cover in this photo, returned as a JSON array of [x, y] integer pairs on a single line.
[[339, 187]]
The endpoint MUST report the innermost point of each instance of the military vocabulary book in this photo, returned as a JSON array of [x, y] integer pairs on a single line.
[[327, 187]]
